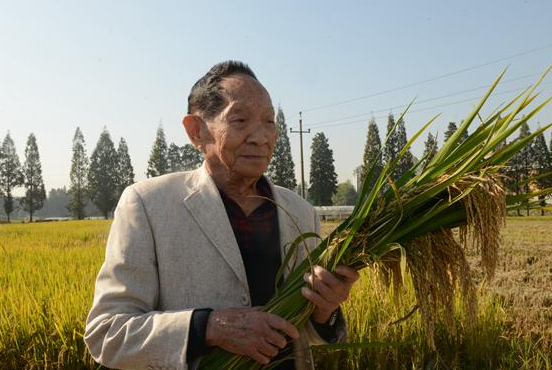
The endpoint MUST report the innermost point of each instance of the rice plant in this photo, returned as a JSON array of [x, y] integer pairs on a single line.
[[47, 274], [406, 224]]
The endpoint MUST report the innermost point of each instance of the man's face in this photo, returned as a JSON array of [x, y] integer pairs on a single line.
[[241, 138]]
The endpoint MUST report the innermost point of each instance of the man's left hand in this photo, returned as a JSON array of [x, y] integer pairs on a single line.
[[329, 290]]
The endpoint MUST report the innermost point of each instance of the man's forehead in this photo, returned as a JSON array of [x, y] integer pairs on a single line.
[[235, 86], [241, 91], [244, 104]]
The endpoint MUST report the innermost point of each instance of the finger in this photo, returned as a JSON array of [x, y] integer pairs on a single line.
[[336, 292], [317, 299], [349, 273], [276, 322], [258, 356], [331, 295], [274, 337], [327, 277], [267, 349]]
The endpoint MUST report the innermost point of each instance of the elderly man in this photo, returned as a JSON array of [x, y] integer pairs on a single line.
[[190, 255]]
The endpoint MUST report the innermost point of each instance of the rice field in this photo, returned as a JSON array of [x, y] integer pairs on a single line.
[[47, 272]]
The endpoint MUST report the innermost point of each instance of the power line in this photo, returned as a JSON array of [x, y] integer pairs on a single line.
[[421, 101], [428, 108], [428, 80]]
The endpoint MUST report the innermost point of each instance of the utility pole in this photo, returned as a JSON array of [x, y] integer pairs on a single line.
[[356, 173], [301, 132]]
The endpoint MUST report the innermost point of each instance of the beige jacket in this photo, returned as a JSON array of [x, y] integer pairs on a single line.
[[171, 249]]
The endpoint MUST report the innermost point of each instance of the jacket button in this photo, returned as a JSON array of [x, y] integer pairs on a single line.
[[245, 299]]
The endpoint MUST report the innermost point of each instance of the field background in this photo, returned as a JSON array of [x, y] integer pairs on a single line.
[[47, 273]]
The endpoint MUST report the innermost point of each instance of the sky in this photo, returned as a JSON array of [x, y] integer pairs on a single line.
[[129, 66]]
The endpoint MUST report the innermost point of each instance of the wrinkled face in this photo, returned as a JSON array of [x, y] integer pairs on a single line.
[[241, 138]]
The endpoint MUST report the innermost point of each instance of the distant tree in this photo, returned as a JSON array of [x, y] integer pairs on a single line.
[[183, 158], [395, 143], [407, 161], [430, 148], [125, 171], [79, 177], [323, 179], [102, 176], [520, 165], [390, 151], [35, 193], [451, 129], [55, 204], [191, 157], [298, 190], [281, 170], [372, 153], [11, 175], [542, 164], [174, 158], [158, 163], [345, 195]]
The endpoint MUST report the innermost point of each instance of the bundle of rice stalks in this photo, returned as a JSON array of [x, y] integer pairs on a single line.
[[405, 225]]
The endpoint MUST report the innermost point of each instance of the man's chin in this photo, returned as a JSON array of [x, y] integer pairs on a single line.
[[251, 172]]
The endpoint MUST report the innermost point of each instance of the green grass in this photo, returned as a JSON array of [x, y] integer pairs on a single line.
[[47, 274]]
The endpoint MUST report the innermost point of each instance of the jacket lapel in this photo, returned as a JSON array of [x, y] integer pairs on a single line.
[[206, 207], [288, 223]]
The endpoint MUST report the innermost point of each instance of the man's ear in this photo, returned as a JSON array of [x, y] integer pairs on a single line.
[[195, 130]]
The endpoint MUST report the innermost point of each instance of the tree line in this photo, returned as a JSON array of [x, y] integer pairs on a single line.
[[101, 178], [534, 161], [529, 169]]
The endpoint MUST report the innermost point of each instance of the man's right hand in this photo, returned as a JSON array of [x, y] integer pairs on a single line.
[[248, 332]]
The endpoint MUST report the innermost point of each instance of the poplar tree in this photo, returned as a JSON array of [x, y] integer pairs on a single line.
[[79, 177], [451, 129], [11, 175], [542, 165], [372, 153], [125, 171], [157, 163], [35, 194], [390, 151], [191, 157], [174, 158], [407, 161], [430, 148], [323, 179], [521, 164], [281, 169], [102, 176], [395, 143]]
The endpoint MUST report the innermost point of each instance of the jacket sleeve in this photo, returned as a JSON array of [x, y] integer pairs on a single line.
[[123, 329], [312, 336]]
